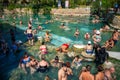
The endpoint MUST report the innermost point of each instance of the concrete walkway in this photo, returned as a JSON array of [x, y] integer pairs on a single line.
[[115, 55]]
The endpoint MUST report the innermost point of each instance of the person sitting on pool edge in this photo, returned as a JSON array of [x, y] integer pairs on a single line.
[[63, 48], [89, 48]]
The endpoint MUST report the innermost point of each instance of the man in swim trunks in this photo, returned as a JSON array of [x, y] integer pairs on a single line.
[[64, 48], [62, 73], [30, 35]]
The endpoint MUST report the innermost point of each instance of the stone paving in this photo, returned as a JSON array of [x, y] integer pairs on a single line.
[[115, 55]]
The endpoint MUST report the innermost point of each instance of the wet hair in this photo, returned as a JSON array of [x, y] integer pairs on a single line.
[[43, 43], [43, 58], [88, 67], [56, 58], [77, 56], [100, 68], [64, 65], [63, 24], [68, 64], [25, 53], [30, 27]]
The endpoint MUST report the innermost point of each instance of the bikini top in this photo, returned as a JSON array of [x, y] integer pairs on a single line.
[[26, 60]]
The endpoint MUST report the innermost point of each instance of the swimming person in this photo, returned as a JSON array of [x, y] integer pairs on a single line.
[[40, 27], [96, 37], [29, 24], [47, 36], [20, 22], [89, 48], [63, 48], [76, 34], [56, 62], [87, 36], [43, 65], [76, 62], [62, 26]]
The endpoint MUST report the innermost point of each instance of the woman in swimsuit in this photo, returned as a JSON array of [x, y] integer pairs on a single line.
[[56, 62], [109, 44], [24, 62], [43, 66], [47, 37], [43, 50], [76, 34], [33, 65], [76, 62]]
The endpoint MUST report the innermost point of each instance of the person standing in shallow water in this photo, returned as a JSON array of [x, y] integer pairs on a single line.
[[43, 50], [76, 34], [30, 37]]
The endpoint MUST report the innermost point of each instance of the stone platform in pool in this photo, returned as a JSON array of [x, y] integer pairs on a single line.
[[115, 55], [72, 12]]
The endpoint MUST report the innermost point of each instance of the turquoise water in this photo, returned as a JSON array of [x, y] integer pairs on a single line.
[[9, 65], [60, 36]]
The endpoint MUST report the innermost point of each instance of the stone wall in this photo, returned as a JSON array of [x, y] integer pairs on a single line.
[[116, 22], [74, 12], [23, 10]]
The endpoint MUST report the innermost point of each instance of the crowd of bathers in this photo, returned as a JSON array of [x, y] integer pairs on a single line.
[[65, 68]]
